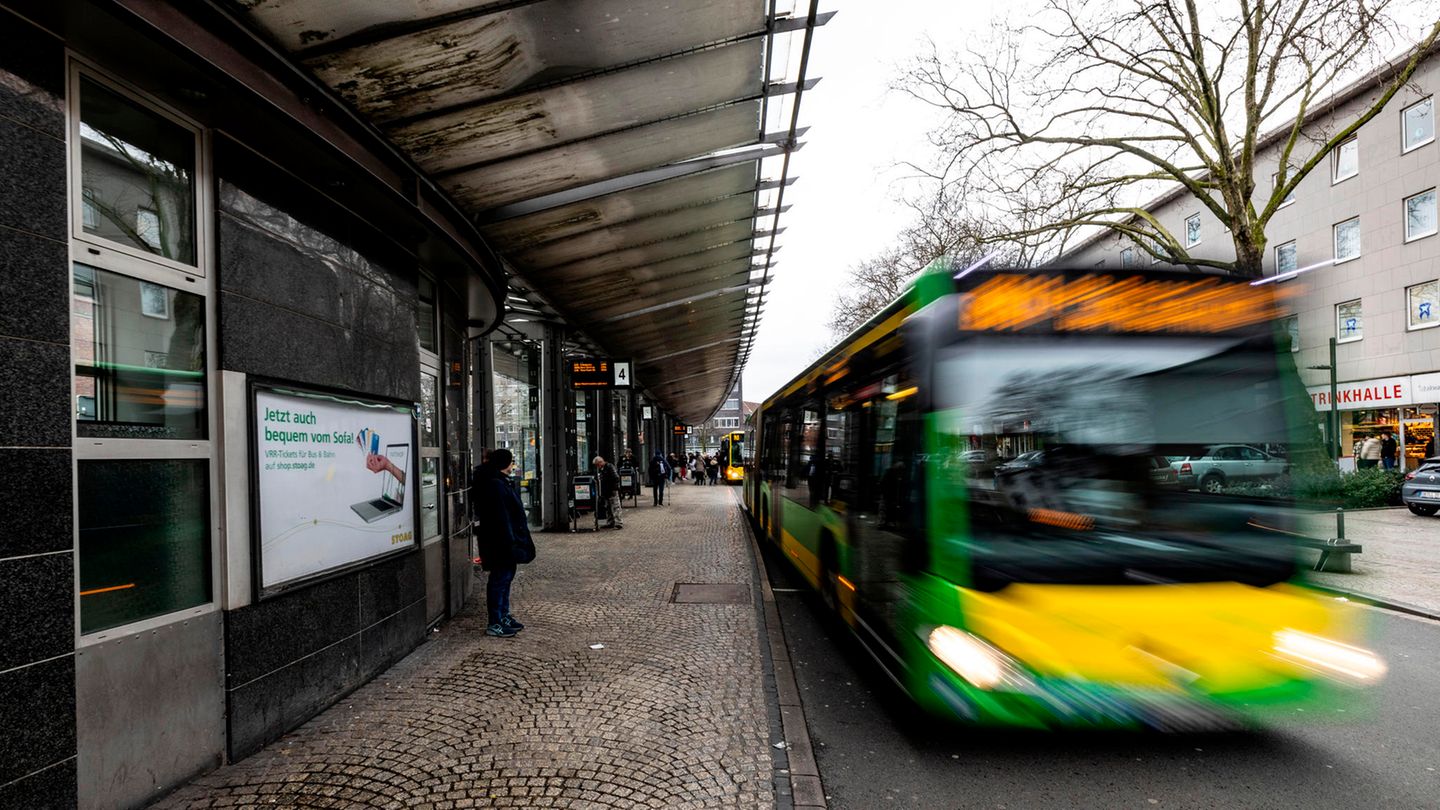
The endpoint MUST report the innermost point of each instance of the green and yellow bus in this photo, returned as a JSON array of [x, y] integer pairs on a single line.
[[978, 483], [732, 458]]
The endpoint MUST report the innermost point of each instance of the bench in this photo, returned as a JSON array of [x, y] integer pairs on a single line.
[[1334, 553]]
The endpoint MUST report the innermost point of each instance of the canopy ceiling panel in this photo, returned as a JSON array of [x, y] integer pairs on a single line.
[[584, 108], [609, 151], [609, 210], [582, 162]]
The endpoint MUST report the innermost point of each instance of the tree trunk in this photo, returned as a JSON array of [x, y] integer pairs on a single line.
[[1249, 256]]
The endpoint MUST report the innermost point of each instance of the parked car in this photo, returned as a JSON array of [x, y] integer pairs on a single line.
[[1223, 464], [1024, 461], [1162, 474], [1421, 490]]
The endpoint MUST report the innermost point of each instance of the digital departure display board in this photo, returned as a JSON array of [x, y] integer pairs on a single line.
[[589, 372]]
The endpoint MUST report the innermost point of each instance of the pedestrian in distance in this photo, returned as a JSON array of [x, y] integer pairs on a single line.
[[672, 462], [610, 492], [1369, 453], [697, 470], [503, 536], [659, 473], [713, 468], [1388, 448]]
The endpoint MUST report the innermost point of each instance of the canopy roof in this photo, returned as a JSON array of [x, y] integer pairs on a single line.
[[609, 150]]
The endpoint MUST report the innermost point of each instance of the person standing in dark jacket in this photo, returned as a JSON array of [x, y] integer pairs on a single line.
[[659, 474], [1388, 448], [610, 492], [504, 538]]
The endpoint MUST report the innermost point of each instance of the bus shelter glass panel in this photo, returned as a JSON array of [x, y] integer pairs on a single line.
[[429, 460], [517, 415], [139, 351], [144, 539]]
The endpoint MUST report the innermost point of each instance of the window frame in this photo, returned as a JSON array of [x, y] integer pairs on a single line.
[[98, 246], [1412, 327], [146, 267], [1405, 214], [1198, 236], [1335, 241], [1335, 176], [1339, 338], [1294, 258], [1127, 257], [1288, 199], [1412, 147], [1295, 340]]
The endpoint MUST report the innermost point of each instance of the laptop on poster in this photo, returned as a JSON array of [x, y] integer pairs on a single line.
[[392, 492]]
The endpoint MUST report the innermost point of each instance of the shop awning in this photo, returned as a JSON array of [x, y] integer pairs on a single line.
[[612, 151]]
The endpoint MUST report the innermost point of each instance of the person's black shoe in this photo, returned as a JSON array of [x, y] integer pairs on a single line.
[[509, 623]]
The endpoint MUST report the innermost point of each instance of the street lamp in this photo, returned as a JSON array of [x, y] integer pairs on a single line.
[[1333, 420]]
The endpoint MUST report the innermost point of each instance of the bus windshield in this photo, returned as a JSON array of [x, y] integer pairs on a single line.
[[1113, 459]]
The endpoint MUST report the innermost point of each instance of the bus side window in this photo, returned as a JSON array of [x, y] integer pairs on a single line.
[[842, 454]]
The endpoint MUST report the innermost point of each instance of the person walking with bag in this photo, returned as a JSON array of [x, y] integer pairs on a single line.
[[504, 538], [659, 472]]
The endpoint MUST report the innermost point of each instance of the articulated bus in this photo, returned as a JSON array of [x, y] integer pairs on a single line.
[[732, 458], [976, 482]]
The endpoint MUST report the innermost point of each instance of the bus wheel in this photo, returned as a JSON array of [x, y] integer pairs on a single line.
[[829, 569]]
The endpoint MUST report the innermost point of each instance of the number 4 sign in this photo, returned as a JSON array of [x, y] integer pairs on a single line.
[[622, 374]]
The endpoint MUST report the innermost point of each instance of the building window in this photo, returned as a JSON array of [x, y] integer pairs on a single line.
[[137, 377], [1275, 183], [1192, 231], [425, 315], [1285, 258], [139, 169], [1422, 305], [1420, 215], [1347, 240], [1418, 123], [1349, 323], [1290, 326], [1345, 162], [144, 539], [1127, 257]]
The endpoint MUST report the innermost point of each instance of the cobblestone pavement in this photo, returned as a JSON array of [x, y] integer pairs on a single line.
[[671, 712], [1400, 561]]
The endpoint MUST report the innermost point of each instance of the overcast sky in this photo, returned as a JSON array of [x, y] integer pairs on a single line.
[[845, 205]]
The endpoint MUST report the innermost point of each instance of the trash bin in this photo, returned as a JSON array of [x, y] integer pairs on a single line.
[[584, 501]]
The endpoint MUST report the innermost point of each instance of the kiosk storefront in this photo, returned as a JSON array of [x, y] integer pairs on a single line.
[[1402, 406]]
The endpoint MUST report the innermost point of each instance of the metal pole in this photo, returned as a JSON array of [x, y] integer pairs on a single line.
[[1334, 406]]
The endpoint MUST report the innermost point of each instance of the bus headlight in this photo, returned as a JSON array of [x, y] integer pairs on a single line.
[[974, 660], [1328, 656]]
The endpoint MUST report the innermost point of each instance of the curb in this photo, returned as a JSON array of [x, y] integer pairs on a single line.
[[1375, 601], [806, 790]]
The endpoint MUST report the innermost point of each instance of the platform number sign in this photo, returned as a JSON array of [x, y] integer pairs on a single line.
[[590, 372]]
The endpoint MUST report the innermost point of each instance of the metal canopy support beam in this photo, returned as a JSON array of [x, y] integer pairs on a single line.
[[782, 26], [678, 303], [652, 360], [630, 181]]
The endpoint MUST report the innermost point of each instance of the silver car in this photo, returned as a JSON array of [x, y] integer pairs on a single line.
[[1223, 464], [1421, 490]]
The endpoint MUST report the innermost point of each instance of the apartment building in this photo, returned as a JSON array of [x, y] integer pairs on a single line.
[[1354, 250]]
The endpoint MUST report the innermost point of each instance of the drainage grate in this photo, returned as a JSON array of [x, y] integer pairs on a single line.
[[710, 593]]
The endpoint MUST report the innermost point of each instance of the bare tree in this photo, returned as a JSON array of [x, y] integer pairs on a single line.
[[1127, 96], [942, 227]]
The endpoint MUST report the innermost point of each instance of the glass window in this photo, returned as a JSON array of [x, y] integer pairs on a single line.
[[1290, 325], [429, 497], [1420, 215], [429, 411], [138, 168], [1346, 160], [1275, 183], [1127, 257], [1349, 323], [1347, 240], [1423, 304], [1192, 231], [144, 539], [139, 352], [1285, 257], [425, 315], [1418, 121]]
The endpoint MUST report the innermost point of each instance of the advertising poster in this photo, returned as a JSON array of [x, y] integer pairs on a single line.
[[335, 482]]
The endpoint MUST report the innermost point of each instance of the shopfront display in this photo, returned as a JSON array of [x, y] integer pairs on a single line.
[[1402, 407]]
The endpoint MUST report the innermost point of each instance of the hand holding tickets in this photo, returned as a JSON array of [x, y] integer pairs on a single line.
[[369, 441]]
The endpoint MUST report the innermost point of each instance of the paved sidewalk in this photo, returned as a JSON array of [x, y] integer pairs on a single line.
[[672, 712], [1400, 562]]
